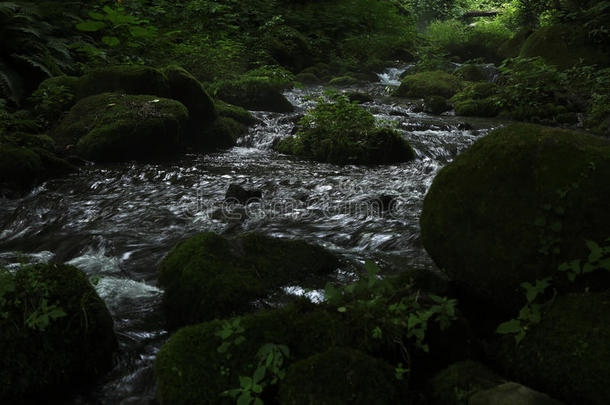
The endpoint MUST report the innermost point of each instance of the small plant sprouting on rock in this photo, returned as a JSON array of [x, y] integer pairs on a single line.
[[530, 314]]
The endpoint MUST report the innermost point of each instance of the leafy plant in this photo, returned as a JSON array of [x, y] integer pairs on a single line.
[[29, 51], [269, 371], [530, 314], [29, 296]]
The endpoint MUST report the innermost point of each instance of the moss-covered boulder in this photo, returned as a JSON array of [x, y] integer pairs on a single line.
[[187, 90], [128, 79], [254, 93], [340, 376], [223, 133], [458, 382], [55, 332], [380, 146], [565, 46], [425, 84], [512, 47], [26, 160], [511, 393], [288, 47], [343, 81], [307, 78], [514, 206], [471, 73], [436, 105], [209, 276], [568, 353], [116, 127], [486, 107], [187, 367], [237, 113]]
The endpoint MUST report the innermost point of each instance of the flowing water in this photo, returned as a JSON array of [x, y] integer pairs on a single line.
[[116, 222]]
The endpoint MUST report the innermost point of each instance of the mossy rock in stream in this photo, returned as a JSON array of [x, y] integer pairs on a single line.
[[128, 79], [237, 113], [55, 332], [253, 93], [512, 47], [26, 160], [223, 133], [288, 47], [514, 206], [425, 84], [118, 127], [341, 376], [189, 91], [565, 46], [436, 105], [209, 276], [568, 353]]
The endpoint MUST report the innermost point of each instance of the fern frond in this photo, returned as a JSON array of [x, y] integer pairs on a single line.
[[33, 62], [11, 86]]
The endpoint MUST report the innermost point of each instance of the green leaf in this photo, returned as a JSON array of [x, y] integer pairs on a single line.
[[142, 32], [596, 251], [244, 399], [259, 374], [111, 41], [245, 382], [342, 309], [512, 326], [90, 26], [96, 16], [556, 226], [258, 401]]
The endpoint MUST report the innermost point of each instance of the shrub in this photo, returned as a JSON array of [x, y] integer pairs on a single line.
[[340, 131]]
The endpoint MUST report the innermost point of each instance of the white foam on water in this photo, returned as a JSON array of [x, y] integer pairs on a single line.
[[114, 291], [95, 261]]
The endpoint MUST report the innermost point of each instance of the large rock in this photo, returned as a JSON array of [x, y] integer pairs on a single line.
[[128, 79], [117, 127], [564, 46], [187, 367], [209, 276], [26, 160], [568, 353], [187, 90], [340, 376], [458, 382], [514, 206], [55, 332], [426, 84], [254, 93], [511, 393]]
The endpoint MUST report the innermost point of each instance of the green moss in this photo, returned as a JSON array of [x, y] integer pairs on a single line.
[[486, 107], [307, 78], [520, 169], [209, 276], [239, 114], [339, 376], [512, 47], [20, 168], [129, 79], [458, 382], [113, 127], [425, 84], [564, 46], [187, 366], [471, 73], [437, 105], [253, 93], [342, 81], [288, 47], [567, 354], [71, 351], [223, 134], [187, 90]]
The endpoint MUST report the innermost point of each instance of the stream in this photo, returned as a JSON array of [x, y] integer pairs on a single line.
[[116, 222]]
